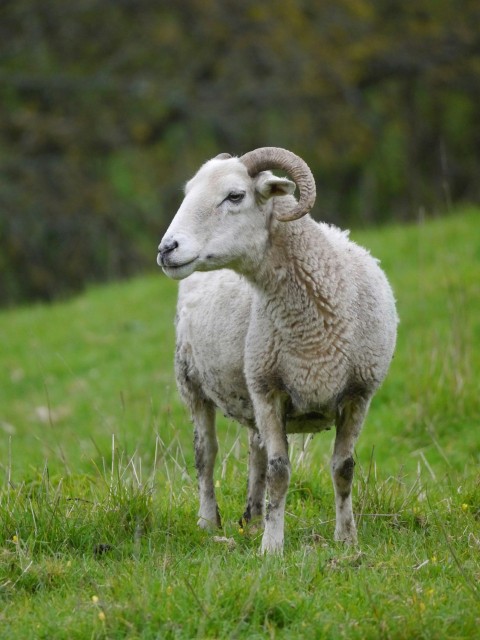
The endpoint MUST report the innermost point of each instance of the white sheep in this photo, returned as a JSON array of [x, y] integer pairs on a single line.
[[291, 328]]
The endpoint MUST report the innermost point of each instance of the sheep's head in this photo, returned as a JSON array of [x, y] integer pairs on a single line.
[[224, 217]]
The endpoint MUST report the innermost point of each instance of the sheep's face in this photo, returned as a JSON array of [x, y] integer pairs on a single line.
[[223, 220]]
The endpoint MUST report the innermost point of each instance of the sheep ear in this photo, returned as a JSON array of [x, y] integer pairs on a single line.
[[269, 186]]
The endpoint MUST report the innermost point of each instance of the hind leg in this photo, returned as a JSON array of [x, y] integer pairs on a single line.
[[257, 478], [349, 423]]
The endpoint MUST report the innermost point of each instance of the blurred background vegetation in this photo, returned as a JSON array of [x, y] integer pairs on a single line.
[[108, 106]]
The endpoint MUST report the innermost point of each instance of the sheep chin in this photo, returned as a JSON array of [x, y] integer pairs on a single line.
[[182, 271]]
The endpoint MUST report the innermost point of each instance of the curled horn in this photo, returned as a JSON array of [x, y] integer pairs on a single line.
[[277, 158]]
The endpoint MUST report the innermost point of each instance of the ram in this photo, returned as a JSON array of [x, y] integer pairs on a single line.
[[286, 326]]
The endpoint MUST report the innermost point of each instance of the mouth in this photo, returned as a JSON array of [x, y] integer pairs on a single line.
[[178, 271]]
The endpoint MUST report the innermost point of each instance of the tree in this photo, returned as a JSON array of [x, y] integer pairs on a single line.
[[107, 107]]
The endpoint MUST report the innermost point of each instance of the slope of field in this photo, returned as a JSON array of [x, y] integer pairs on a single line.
[[97, 505]]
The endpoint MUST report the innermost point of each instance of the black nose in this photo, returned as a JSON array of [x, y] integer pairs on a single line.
[[167, 247]]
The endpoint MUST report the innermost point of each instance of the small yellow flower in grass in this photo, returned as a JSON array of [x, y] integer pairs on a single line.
[[94, 599], [240, 531], [15, 539], [217, 484], [101, 616], [169, 591], [434, 559], [465, 507], [430, 592]]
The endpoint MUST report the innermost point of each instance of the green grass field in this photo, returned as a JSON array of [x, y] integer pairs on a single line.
[[98, 493]]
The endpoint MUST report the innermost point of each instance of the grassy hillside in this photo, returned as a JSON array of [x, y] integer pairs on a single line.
[[97, 506]]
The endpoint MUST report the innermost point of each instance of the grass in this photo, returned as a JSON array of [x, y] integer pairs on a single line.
[[98, 498]]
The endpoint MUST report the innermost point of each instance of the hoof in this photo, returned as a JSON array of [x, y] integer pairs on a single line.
[[209, 524], [347, 537], [271, 547]]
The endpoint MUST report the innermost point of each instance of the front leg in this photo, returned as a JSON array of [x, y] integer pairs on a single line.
[[206, 447], [350, 418], [271, 425]]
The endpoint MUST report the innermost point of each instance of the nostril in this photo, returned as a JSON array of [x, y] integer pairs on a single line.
[[167, 247]]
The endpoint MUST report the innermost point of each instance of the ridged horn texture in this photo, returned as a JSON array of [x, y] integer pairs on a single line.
[[276, 158]]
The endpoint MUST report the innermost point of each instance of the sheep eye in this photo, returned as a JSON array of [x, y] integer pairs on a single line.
[[235, 197]]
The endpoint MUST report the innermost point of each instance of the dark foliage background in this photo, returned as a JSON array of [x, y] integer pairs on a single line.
[[108, 106]]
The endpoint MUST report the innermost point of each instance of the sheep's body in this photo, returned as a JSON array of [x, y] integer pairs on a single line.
[[316, 352], [296, 338]]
